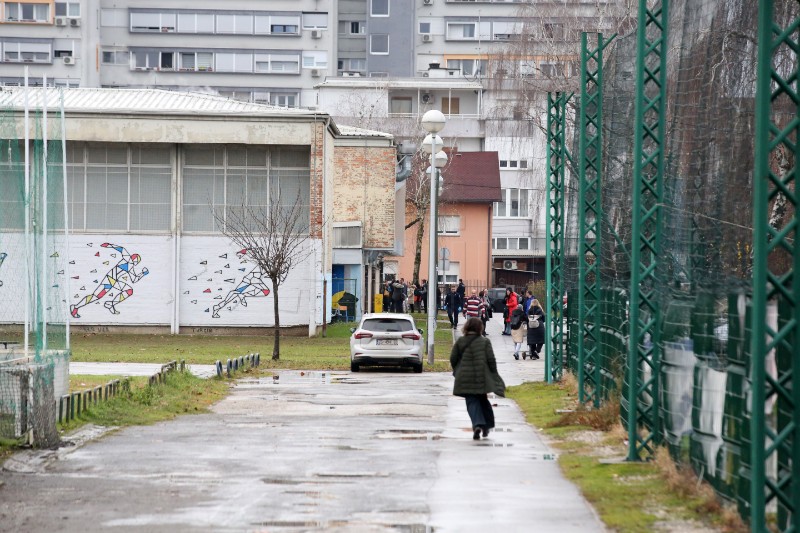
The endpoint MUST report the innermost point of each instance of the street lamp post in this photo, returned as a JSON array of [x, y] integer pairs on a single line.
[[433, 121]]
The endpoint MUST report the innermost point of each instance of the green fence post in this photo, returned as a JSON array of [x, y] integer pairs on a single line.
[[644, 358], [772, 282], [590, 214]]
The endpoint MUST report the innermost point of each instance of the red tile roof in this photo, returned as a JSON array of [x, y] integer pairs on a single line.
[[472, 177]]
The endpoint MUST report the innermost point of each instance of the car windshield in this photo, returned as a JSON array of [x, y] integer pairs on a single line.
[[387, 325]]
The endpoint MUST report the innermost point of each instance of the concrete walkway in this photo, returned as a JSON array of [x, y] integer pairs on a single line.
[[132, 369], [376, 451]]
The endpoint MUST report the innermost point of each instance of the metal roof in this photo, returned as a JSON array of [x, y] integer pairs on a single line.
[[425, 84], [141, 101], [351, 131]]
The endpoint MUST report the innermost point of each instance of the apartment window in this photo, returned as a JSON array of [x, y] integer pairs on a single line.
[[357, 64], [379, 8], [449, 225], [379, 44], [63, 48], [400, 104], [233, 62], [450, 106], [511, 243], [236, 24], [283, 99], [68, 9], [516, 203], [227, 178], [451, 275], [358, 28], [115, 57], [315, 21], [167, 61], [153, 22], [514, 164], [119, 187], [145, 60], [315, 59], [27, 52], [18, 11], [284, 64], [347, 236], [197, 61], [195, 23], [468, 67], [461, 31], [424, 27]]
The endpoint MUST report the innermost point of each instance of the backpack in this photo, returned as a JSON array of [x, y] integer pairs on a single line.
[[516, 319]]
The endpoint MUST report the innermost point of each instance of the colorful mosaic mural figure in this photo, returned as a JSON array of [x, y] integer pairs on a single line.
[[117, 282], [253, 285]]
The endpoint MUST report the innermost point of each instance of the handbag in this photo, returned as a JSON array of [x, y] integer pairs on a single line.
[[534, 323]]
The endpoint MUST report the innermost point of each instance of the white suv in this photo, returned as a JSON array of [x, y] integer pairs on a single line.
[[386, 339]]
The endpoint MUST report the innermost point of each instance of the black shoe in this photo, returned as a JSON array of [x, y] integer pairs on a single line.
[[476, 434], [524, 355], [516, 356], [534, 357], [485, 432]]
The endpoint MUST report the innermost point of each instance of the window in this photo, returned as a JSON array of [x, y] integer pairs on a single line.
[[514, 164], [400, 104], [357, 64], [226, 178], [115, 57], [153, 22], [468, 67], [347, 236], [233, 62], [449, 225], [18, 11], [284, 64], [511, 243], [451, 274], [516, 203], [27, 52], [167, 61], [195, 23], [145, 60], [119, 187], [197, 61], [68, 9], [283, 99], [461, 31], [315, 20], [238, 24], [450, 106], [358, 28], [379, 8], [424, 27], [315, 59], [379, 44]]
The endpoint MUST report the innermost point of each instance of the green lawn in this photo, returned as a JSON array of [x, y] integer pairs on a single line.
[[331, 352]]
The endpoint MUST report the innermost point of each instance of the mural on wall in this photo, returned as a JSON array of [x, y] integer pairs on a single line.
[[252, 285], [117, 282], [3, 256]]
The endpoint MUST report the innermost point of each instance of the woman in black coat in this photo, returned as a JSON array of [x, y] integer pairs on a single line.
[[535, 335]]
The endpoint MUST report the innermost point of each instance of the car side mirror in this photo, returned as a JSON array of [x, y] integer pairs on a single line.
[[352, 330]]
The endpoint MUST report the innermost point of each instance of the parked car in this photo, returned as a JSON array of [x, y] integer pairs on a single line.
[[386, 339], [497, 299]]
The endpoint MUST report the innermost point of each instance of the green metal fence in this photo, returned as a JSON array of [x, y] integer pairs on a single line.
[[682, 296]]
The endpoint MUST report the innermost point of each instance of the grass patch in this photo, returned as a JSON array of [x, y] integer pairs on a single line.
[[140, 404], [80, 383], [331, 352], [630, 497]]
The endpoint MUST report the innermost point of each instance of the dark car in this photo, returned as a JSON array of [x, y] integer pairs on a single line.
[[497, 299]]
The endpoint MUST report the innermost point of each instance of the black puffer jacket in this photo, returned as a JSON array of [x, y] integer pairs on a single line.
[[473, 365], [536, 335]]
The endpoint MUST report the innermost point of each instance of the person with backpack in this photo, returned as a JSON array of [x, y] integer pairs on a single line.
[[518, 330], [535, 329]]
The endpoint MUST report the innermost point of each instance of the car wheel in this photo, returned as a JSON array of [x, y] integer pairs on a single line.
[[418, 368], [354, 367]]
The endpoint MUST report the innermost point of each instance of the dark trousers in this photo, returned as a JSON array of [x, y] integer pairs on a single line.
[[452, 314], [397, 306], [535, 348], [480, 411]]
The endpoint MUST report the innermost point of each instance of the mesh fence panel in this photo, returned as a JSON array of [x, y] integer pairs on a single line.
[[704, 266], [34, 352]]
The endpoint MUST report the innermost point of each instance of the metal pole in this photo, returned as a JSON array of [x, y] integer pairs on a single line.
[[432, 256]]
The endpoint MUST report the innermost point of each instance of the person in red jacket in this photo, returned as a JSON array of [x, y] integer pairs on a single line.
[[511, 304]]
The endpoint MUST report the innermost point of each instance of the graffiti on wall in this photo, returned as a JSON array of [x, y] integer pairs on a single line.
[[117, 283], [232, 286]]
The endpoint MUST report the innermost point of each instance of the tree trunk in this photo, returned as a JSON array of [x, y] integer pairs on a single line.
[[418, 251], [276, 348]]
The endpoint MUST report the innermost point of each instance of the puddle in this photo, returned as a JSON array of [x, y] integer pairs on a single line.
[[300, 377], [408, 434], [328, 524], [490, 444]]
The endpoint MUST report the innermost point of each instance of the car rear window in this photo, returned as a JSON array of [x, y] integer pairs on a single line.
[[387, 325]]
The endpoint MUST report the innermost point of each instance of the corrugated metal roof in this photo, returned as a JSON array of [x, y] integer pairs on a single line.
[[141, 101], [404, 83], [351, 131]]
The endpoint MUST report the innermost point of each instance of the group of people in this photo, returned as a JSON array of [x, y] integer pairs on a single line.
[[524, 321], [477, 305], [402, 297]]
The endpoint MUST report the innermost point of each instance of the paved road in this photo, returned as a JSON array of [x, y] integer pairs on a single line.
[[311, 451]]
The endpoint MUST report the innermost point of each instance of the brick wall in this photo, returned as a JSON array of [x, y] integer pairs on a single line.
[[364, 179]]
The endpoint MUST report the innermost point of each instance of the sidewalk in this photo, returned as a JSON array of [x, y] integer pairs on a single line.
[[133, 369]]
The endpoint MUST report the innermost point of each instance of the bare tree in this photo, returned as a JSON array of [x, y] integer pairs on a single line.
[[276, 237]]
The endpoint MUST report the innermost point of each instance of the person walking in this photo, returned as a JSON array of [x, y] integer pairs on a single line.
[[474, 306], [511, 304], [423, 295], [452, 302], [397, 296], [526, 303], [535, 329], [518, 330], [487, 309], [475, 371]]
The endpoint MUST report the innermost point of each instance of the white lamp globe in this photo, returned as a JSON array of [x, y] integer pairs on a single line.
[[433, 121], [440, 159], [432, 144]]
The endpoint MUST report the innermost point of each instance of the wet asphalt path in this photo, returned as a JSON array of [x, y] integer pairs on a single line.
[[314, 451]]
